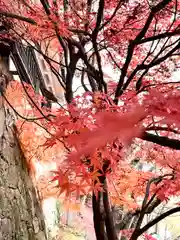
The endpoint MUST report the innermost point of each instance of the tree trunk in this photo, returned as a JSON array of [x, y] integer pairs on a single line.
[[98, 218], [21, 216], [109, 221]]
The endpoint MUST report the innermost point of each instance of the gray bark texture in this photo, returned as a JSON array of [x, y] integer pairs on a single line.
[[21, 217]]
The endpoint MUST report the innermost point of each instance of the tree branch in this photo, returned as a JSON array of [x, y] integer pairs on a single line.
[[45, 6], [161, 59], [113, 15], [132, 45], [99, 19], [158, 219], [160, 128], [161, 140], [159, 36], [18, 17]]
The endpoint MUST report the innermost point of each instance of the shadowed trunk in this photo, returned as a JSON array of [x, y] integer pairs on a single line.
[[98, 218]]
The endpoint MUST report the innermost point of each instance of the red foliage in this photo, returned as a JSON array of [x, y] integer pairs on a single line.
[[98, 133], [94, 133], [91, 134]]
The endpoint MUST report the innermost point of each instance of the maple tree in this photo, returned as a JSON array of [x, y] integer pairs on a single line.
[[140, 40]]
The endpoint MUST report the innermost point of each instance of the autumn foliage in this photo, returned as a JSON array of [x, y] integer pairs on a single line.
[[90, 134], [91, 140]]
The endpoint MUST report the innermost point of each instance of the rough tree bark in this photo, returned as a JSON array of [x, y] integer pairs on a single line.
[[21, 216]]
